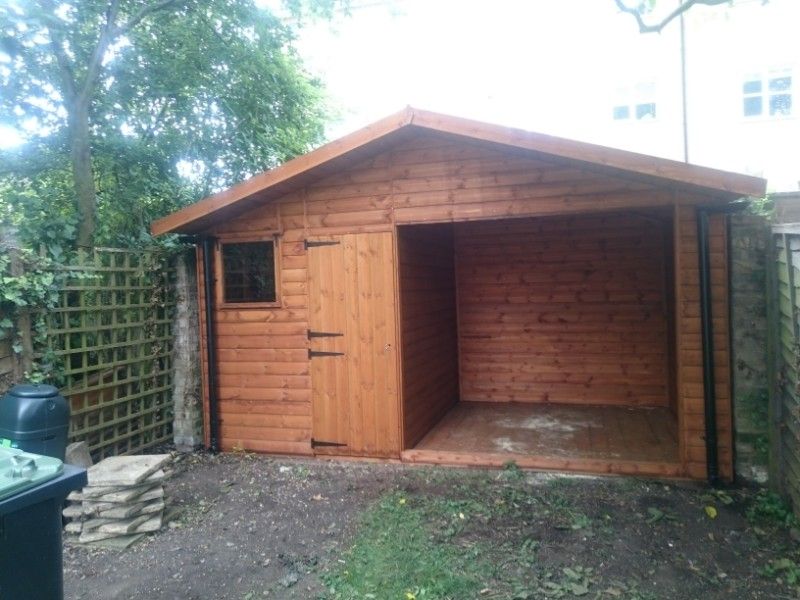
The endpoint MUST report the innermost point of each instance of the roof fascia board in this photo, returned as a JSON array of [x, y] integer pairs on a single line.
[[293, 168]]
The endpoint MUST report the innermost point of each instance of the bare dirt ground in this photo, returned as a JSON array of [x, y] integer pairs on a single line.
[[251, 525], [265, 527]]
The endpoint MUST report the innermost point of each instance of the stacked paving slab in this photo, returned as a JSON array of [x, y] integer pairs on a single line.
[[124, 498]]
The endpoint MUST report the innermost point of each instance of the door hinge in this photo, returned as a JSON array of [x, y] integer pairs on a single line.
[[320, 443], [320, 334], [317, 243], [314, 353]]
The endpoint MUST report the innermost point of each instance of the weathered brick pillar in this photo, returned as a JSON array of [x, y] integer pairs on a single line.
[[750, 235], [188, 421]]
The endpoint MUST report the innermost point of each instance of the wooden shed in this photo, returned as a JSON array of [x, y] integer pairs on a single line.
[[434, 289]]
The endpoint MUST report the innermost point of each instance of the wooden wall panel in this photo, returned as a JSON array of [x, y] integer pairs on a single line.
[[428, 327], [262, 353], [564, 310], [265, 388], [690, 358]]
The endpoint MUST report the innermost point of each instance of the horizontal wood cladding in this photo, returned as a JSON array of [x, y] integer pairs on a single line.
[[428, 327], [564, 310], [589, 320], [263, 378], [263, 352], [433, 179]]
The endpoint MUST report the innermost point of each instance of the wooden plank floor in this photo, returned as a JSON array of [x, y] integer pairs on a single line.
[[595, 439]]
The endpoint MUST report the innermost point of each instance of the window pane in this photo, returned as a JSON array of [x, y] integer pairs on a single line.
[[752, 87], [646, 111], [780, 84], [249, 272], [752, 106], [780, 104], [622, 112]]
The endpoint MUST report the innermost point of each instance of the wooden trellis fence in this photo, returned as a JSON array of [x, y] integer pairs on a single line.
[[110, 342]]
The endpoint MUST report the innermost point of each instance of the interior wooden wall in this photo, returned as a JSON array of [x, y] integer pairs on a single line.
[[428, 326], [564, 310], [265, 391]]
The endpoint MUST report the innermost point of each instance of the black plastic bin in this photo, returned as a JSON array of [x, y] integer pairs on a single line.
[[34, 418], [31, 565]]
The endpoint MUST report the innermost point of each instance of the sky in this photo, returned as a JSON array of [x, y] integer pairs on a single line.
[[553, 66], [557, 67], [528, 64]]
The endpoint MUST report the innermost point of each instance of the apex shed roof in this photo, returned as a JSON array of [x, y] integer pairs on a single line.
[[400, 126]]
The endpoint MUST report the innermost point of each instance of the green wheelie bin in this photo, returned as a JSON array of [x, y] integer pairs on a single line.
[[32, 492]]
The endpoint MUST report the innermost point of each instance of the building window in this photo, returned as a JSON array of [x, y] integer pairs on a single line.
[[769, 95], [248, 272], [635, 102]]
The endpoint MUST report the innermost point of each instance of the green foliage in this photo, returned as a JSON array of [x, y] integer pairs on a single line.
[[769, 509], [512, 472], [784, 570], [33, 291], [571, 581], [196, 96], [394, 557], [762, 206], [656, 515]]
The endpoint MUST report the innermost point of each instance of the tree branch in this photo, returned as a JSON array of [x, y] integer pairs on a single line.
[[146, 10], [149, 134], [66, 74], [111, 31], [657, 27], [107, 35]]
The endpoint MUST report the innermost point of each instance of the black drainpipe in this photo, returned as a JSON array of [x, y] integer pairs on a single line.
[[211, 347], [707, 330], [707, 334]]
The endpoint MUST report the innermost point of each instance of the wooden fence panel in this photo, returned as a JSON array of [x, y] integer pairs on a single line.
[[110, 340]]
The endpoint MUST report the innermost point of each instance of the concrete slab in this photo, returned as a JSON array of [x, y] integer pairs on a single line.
[[126, 470], [93, 491]]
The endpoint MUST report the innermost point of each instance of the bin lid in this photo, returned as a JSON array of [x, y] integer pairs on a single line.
[[33, 390], [22, 470]]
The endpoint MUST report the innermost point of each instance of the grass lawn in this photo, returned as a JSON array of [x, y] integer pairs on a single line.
[[507, 534]]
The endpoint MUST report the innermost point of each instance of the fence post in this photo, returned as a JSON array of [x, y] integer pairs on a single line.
[[188, 418]]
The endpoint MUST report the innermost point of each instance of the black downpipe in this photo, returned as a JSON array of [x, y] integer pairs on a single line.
[[211, 345], [707, 330]]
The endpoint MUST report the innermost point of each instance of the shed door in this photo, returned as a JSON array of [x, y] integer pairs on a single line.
[[353, 345]]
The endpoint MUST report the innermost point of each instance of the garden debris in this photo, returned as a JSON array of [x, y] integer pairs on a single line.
[[124, 498]]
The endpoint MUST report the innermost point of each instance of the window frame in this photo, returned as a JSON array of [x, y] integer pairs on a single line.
[[765, 94], [632, 98], [219, 273]]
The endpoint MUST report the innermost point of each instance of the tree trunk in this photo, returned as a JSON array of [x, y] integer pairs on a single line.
[[82, 172]]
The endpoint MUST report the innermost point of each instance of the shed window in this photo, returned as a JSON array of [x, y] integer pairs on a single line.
[[249, 272]]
